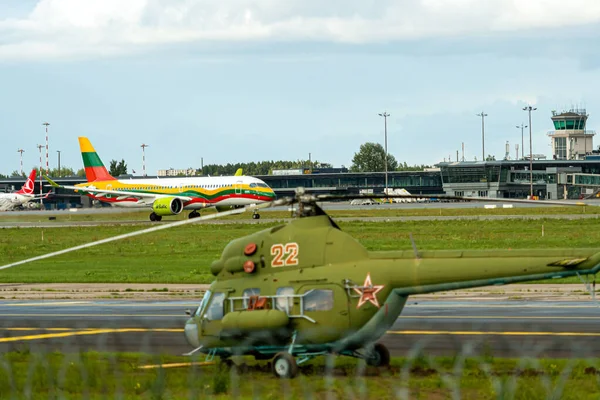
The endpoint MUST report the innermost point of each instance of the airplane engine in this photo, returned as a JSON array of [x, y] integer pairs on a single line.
[[167, 206]]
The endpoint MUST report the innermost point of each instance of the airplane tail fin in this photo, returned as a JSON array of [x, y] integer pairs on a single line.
[[94, 169], [27, 188], [239, 172]]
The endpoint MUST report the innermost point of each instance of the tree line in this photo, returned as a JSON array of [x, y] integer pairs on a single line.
[[369, 158]]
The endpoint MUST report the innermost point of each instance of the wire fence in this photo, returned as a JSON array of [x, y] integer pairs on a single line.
[[136, 358]]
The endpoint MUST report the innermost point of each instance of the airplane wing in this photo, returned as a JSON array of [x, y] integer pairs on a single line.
[[41, 196], [122, 193]]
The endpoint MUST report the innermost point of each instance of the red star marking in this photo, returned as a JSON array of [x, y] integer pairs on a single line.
[[368, 292]]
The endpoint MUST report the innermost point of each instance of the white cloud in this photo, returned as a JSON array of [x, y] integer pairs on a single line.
[[71, 28]]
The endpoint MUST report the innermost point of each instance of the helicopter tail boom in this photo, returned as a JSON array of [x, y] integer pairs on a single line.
[[443, 274]]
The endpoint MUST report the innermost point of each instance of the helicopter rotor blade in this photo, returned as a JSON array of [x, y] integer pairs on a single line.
[[270, 204]]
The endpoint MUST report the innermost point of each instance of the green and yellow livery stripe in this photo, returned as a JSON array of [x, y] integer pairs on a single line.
[[91, 160], [94, 168]]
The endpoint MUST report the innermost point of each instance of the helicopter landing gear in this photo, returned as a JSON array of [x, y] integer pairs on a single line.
[[194, 214], [255, 215], [379, 356], [284, 365], [154, 217]]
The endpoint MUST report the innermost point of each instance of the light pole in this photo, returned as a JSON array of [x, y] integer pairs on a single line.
[[385, 115], [46, 125], [522, 143], [58, 151], [482, 115], [143, 146], [529, 109], [40, 147], [21, 151]]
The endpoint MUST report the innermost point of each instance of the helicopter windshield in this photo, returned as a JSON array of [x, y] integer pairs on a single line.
[[202, 305]]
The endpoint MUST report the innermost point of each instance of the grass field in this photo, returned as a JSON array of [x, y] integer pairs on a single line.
[[101, 375], [184, 254], [142, 214]]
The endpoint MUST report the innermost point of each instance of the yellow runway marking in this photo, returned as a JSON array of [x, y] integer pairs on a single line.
[[84, 332], [479, 333], [175, 365], [68, 332]]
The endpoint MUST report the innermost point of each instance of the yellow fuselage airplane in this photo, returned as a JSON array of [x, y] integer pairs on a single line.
[[168, 196]]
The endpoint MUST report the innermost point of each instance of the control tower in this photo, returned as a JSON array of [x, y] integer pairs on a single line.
[[570, 139]]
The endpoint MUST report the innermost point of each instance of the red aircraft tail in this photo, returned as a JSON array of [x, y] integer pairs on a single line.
[[27, 188]]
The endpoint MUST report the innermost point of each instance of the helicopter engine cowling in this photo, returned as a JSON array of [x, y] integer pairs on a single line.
[[167, 206], [301, 243]]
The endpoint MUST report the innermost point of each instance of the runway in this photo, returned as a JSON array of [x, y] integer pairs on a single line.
[[267, 220], [498, 328], [62, 218]]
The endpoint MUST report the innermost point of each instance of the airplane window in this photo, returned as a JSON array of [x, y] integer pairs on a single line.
[[252, 185], [318, 300], [215, 309], [202, 304], [284, 303], [263, 185], [249, 292]]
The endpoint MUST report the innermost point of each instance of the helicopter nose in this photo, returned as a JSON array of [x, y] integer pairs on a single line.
[[191, 333]]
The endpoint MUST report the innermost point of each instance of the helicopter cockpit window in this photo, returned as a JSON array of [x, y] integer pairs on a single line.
[[215, 309], [284, 303], [318, 300], [249, 292], [202, 305]]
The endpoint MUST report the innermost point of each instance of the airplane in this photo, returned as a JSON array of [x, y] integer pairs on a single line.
[[11, 201], [168, 196], [304, 289]]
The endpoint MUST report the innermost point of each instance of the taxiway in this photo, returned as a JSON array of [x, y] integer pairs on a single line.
[[437, 327]]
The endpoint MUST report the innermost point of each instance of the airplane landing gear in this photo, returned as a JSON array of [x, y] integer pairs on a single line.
[[284, 365], [154, 217], [255, 215], [194, 214], [379, 356]]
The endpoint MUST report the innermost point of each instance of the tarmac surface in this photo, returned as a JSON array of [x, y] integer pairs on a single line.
[[63, 215], [65, 224], [341, 205], [499, 324]]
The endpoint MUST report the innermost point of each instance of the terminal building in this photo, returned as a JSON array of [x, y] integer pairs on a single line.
[[572, 172]]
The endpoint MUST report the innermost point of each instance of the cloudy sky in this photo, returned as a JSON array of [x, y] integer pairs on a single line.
[[250, 80]]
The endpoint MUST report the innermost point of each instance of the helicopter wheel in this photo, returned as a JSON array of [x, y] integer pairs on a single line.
[[155, 217], [194, 214], [379, 356], [284, 365]]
